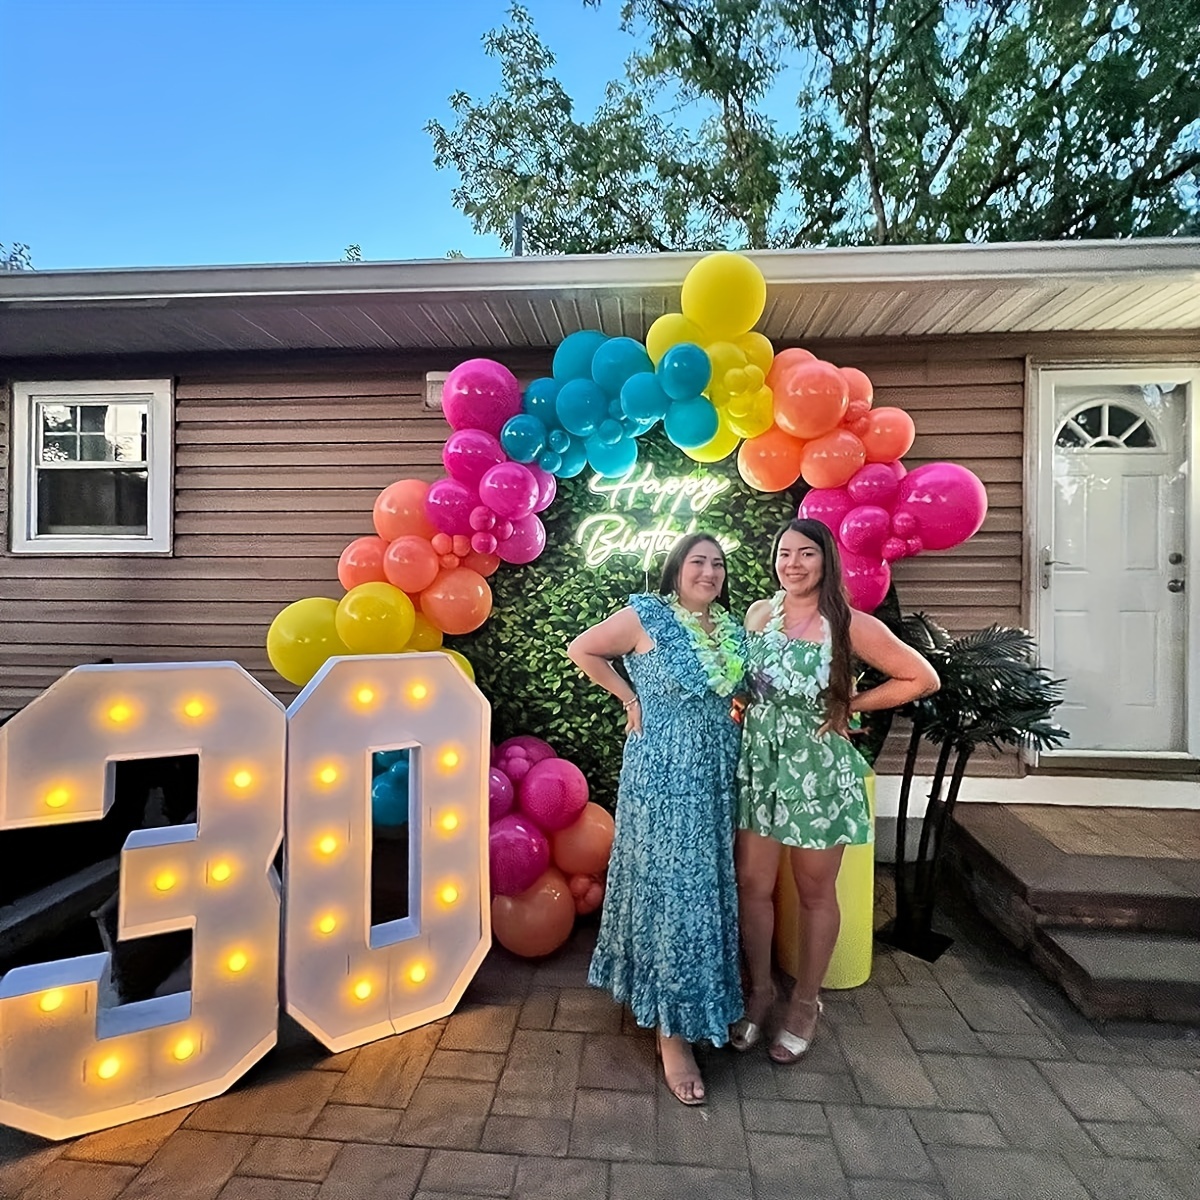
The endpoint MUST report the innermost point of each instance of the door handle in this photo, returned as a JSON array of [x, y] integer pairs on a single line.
[[1174, 585], [1047, 563]]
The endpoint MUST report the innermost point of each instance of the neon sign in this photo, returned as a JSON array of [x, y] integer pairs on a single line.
[[646, 515]]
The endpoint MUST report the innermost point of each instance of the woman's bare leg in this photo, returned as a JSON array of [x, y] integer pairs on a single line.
[[757, 866], [815, 873]]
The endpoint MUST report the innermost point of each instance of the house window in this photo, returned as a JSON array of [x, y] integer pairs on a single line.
[[92, 468], [1105, 426]]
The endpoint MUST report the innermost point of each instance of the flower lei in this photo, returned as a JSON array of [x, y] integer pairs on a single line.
[[778, 672], [720, 654]]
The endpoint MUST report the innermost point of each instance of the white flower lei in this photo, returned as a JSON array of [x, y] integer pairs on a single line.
[[778, 672], [720, 655]]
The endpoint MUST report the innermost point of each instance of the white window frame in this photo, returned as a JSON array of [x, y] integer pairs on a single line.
[[158, 395]]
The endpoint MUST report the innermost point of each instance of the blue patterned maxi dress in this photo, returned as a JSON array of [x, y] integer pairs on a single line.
[[668, 944]]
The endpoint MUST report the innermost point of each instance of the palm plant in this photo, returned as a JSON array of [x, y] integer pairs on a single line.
[[993, 693]]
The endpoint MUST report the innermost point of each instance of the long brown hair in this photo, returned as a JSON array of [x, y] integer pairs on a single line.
[[834, 607], [678, 556]]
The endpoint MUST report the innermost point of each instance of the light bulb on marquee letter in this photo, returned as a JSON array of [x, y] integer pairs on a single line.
[[68, 1066], [422, 963]]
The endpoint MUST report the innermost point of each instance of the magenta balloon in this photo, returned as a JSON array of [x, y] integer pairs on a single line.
[[525, 543], [535, 749], [547, 488], [501, 794], [483, 543], [867, 581], [448, 505], [468, 453], [897, 468], [515, 768], [876, 483], [554, 793], [894, 548], [948, 501], [904, 524], [827, 505], [865, 529], [480, 394], [518, 852], [482, 518], [509, 490]]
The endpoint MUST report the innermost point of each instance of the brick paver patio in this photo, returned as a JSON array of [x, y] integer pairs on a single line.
[[971, 1079]]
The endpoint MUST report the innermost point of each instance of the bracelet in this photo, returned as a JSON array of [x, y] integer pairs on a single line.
[[630, 703]]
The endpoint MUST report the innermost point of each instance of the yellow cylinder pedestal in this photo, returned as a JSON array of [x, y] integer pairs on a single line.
[[851, 964]]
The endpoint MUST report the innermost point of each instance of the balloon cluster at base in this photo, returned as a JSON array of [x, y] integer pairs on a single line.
[[548, 846]]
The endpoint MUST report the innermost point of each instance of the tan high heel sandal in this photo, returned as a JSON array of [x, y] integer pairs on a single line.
[[787, 1048]]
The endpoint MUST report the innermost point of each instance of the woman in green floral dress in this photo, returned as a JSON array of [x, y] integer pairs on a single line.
[[801, 784]]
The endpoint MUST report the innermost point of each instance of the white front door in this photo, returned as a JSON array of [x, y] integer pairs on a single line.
[[1112, 566]]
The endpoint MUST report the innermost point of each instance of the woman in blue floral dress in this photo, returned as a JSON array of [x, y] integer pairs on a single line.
[[668, 944], [801, 784]]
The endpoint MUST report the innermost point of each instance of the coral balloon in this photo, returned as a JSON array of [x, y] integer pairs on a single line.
[[875, 483], [810, 397], [483, 563], [457, 601], [518, 853], [864, 530], [860, 392], [867, 581], [537, 921], [889, 434], [671, 329], [554, 793], [375, 618], [448, 504], [411, 564], [583, 847], [771, 461], [362, 562], [480, 394], [468, 453], [400, 510], [827, 505], [525, 543], [501, 794], [831, 460], [588, 893], [302, 637], [724, 294], [425, 635], [948, 502]]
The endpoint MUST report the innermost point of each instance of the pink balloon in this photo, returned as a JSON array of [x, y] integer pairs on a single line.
[[448, 505], [904, 524], [480, 394], [501, 794], [876, 483], [897, 468], [535, 749], [827, 505], [483, 543], [864, 529], [503, 530], [509, 490], [867, 581], [547, 488], [518, 852], [468, 453], [525, 543], [516, 768], [893, 548], [482, 518], [948, 501], [554, 793]]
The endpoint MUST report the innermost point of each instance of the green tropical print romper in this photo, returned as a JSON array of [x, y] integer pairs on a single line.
[[794, 786]]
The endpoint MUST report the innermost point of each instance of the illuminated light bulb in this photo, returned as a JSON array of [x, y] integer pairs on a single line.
[[242, 779], [448, 894], [449, 759], [57, 798], [364, 695], [193, 709], [221, 871], [164, 881], [237, 961], [327, 775], [449, 822], [417, 973], [418, 691], [51, 1000], [328, 844], [362, 990], [184, 1049], [120, 713], [109, 1067], [327, 924]]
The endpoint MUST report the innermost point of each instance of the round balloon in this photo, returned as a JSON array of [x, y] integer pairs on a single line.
[[535, 749], [827, 505], [724, 294], [362, 562], [684, 371], [583, 846], [523, 437], [889, 434], [448, 505], [509, 490], [554, 793], [425, 635], [611, 459], [302, 637], [457, 601], [468, 453], [643, 399], [616, 360], [771, 461], [538, 921], [810, 396], [867, 581], [691, 423], [411, 564], [670, 330], [501, 796], [518, 853], [389, 796], [588, 893], [375, 618], [526, 541], [864, 529], [581, 406], [948, 502], [480, 394], [573, 358], [400, 510], [461, 662], [830, 460], [874, 484]]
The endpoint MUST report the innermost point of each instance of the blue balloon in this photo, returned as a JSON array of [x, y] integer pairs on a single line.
[[381, 760], [389, 796], [539, 400], [550, 461], [573, 358], [558, 440], [691, 423], [611, 459], [616, 360], [581, 407], [615, 410], [684, 371], [610, 432], [634, 428], [523, 437], [642, 397], [574, 459]]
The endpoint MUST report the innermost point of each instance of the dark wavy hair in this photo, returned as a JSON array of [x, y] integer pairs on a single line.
[[835, 608], [670, 573]]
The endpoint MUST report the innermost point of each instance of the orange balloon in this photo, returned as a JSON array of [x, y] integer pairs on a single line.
[[771, 461], [400, 510], [583, 847], [829, 461], [460, 545], [457, 601], [810, 397], [485, 564], [425, 635], [537, 921], [410, 564], [362, 562], [588, 893], [785, 360], [889, 434], [862, 394]]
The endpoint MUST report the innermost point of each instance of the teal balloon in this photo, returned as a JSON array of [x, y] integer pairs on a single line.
[[642, 397], [616, 361], [539, 400], [684, 371], [634, 428], [581, 407], [691, 423], [389, 796], [381, 760], [549, 461], [610, 432], [523, 437], [558, 440], [611, 459], [573, 358], [574, 459]]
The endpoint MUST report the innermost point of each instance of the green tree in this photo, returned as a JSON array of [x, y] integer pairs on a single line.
[[775, 123]]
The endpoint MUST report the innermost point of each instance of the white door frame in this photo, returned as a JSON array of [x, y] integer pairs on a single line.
[[1040, 522]]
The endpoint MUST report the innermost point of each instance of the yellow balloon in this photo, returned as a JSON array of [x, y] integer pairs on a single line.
[[749, 420], [724, 294], [758, 350], [460, 661], [670, 330], [375, 618], [723, 444], [425, 635], [302, 637]]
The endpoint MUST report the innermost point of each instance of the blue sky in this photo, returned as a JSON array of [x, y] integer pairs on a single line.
[[181, 132]]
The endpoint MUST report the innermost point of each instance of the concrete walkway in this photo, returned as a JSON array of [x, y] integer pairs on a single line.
[[971, 1079]]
